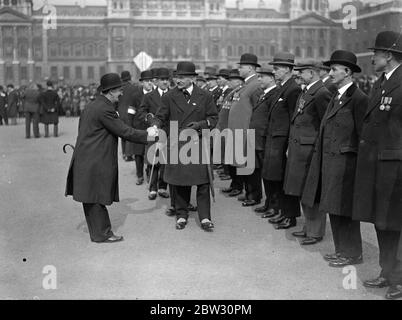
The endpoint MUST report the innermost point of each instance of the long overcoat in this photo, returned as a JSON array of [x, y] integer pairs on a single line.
[[200, 108], [304, 128], [330, 180], [378, 185], [282, 109], [12, 104], [50, 104], [93, 173]]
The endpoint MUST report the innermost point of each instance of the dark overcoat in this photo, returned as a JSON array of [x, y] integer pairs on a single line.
[[330, 180], [200, 108], [378, 185], [31, 100], [49, 107], [127, 99], [93, 172], [282, 109], [304, 128], [3, 102], [135, 121], [12, 104]]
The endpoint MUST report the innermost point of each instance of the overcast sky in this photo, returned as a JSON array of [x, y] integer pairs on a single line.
[[334, 4]]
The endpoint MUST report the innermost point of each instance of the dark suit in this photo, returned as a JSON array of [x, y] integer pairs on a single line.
[[216, 93], [276, 144], [304, 128], [31, 107], [330, 180], [221, 98], [3, 109], [50, 104], [12, 106], [378, 183], [93, 174], [199, 108]]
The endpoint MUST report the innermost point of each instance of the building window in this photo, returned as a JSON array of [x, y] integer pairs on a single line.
[[38, 73], [78, 72], [304, 5], [91, 73], [9, 73], [78, 50], [90, 50], [316, 5], [53, 50], [53, 72], [310, 5], [66, 50], [8, 48], [240, 50], [230, 51], [285, 48], [322, 52], [310, 52], [23, 73], [23, 50], [66, 72]]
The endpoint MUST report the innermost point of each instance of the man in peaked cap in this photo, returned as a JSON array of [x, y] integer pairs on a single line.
[[240, 115], [93, 174], [331, 176], [304, 127], [378, 184], [286, 208], [188, 106]]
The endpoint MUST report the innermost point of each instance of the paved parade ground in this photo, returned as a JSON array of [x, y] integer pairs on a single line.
[[42, 231]]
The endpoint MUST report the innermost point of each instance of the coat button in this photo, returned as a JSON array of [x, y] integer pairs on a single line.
[[362, 141]]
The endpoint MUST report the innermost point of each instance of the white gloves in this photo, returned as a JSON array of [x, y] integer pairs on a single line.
[[152, 131]]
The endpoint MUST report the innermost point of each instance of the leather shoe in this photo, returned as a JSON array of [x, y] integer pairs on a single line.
[[163, 194], [343, 262], [171, 211], [299, 234], [277, 219], [310, 240], [286, 224], [139, 181], [112, 239], [270, 213], [227, 190], [249, 203], [331, 256], [234, 193], [261, 209], [394, 292], [152, 195], [379, 282], [207, 226], [191, 207], [181, 225]]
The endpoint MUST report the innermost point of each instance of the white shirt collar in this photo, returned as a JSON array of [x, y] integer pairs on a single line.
[[161, 92], [311, 84], [269, 89], [342, 90], [325, 79], [225, 88], [389, 74], [213, 88], [190, 89], [249, 77], [145, 91]]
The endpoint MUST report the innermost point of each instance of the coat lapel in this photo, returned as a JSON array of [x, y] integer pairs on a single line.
[[193, 104], [308, 98], [345, 99]]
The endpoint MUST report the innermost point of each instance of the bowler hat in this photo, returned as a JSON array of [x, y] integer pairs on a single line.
[[154, 72], [199, 78], [388, 41], [224, 73], [235, 74], [310, 64], [125, 76], [267, 70], [163, 73], [284, 59], [211, 76], [345, 58], [146, 75], [186, 68], [249, 58], [110, 81]]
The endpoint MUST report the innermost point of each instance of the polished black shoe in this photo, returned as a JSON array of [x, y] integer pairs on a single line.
[[299, 234], [331, 256], [270, 213], [310, 240], [343, 262], [171, 211], [286, 224], [191, 207], [152, 195], [261, 209], [181, 225], [234, 193], [379, 282], [112, 239], [277, 219], [207, 226], [163, 193], [227, 190], [139, 181], [394, 292], [249, 203]]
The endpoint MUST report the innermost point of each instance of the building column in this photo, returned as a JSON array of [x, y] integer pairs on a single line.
[[45, 65], [109, 48], [30, 62], [16, 63], [2, 69]]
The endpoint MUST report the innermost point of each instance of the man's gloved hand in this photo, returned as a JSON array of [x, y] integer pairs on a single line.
[[194, 125], [152, 131]]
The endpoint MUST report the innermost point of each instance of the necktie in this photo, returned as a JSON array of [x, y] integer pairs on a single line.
[[304, 90], [187, 95], [262, 97]]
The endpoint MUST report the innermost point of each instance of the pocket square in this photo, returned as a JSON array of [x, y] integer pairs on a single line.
[[280, 99]]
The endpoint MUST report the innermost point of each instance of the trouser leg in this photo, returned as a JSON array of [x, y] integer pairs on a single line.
[[315, 221], [46, 130], [27, 124], [203, 201], [35, 124], [98, 221], [172, 196], [254, 185], [123, 146], [388, 242], [139, 165], [237, 181], [274, 192], [153, 186], [182, 199], [290, 206], [347, 237], [55, 130], [161, 183]]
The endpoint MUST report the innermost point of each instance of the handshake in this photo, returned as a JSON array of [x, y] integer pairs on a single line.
[[152, 131]]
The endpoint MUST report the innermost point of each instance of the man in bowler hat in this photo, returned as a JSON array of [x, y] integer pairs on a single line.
[[378, 184], [189, 107], [93, 174], [330, 180]]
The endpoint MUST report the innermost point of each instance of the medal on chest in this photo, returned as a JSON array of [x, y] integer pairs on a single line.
[[301, 105], [385, 103]]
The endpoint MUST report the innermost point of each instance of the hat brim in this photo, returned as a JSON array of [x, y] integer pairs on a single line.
[[282, 63], [250, 63], [385, 49], [354, 67], [146, 78], [236, 77], [190, 74], [267, 73], [110, 87]]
